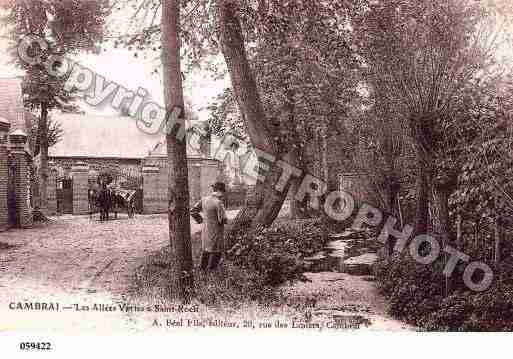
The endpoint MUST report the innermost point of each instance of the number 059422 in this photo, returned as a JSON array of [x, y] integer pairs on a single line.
[[35, 346]]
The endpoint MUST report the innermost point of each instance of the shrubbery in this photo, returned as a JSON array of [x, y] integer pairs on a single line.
[[228, 286], [232, 286], [416, 295], [256, 265], [277, 252]]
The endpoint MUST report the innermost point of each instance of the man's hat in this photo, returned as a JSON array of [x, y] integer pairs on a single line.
[[219, 187]]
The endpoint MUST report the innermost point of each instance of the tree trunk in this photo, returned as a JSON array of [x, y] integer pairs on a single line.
[[441, 223], [422, 206], [178, 187], [422, 135], [263, 205], [497, 233], [392, 188], [43, 157], [459, 230], [324, 154], [298, 209]]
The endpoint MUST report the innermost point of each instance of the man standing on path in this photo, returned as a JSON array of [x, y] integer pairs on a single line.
[[212, 233]]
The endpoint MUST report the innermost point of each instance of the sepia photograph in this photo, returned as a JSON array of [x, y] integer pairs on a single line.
[[189, 168]]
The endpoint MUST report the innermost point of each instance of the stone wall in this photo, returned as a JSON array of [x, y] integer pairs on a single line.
[[154, 190], [194, 182], [211, 171], [202, 175]]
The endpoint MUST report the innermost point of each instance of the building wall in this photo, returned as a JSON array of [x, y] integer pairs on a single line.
[[203, 172], [66, 163]]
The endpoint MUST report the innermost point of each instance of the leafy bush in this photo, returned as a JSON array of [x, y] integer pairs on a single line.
[[415, 292], [277, 252], [232, 286], [229, 286]]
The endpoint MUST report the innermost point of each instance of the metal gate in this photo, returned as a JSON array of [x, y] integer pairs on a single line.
[[131, 179], [66, 204]]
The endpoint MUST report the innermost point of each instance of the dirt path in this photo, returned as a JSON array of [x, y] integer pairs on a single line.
[[77, 261], [77, 254], [346, 299], [74, 260]]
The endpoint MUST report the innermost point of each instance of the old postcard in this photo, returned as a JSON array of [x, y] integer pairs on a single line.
[[255, 166]]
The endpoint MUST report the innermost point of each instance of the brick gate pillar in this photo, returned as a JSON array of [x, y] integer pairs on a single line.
[[210, 173], [18, 140], [151, 176], [80, 173], [4, 175], [194, 183], [51, 191]]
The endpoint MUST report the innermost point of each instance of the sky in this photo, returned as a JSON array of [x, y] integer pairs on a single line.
[[120, 65]]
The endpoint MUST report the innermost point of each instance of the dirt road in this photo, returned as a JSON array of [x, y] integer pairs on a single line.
[[76, 263]]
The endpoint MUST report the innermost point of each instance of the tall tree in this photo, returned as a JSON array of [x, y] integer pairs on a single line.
[[293, 82], [265, 201], [178, 190], [67, 27], [424, 55], [238, 24]]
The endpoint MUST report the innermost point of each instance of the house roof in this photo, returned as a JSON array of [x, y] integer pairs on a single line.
[[11, 103], [94, 136], [101, 137]]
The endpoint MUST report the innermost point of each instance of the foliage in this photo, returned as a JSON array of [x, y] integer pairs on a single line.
[[68, 27], [230, 286], [484, 181], [140, 32], [277, 252], [415, 294], [304, 67], [55, 134], [305, 70], [225, 116]]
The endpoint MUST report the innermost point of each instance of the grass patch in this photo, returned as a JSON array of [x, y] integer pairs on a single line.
[[250, 281], [227, 286]]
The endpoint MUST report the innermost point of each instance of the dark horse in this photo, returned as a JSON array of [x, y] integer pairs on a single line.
[[100, 199], [106, 199]]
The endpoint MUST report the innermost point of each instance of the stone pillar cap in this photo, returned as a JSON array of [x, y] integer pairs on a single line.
[[151, 169], [80, 167], [18, 138], [18, 133], [5, 125]]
